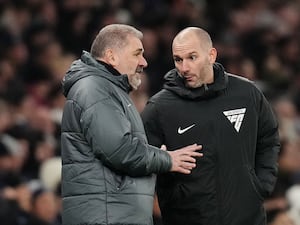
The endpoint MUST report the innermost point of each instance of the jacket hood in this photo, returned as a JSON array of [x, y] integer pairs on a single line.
[[176, 84], [88, 66]]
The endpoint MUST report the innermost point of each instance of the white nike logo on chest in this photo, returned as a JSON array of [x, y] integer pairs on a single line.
[[181, 131]]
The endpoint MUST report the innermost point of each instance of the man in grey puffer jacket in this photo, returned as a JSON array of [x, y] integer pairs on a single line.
[[108, 165]]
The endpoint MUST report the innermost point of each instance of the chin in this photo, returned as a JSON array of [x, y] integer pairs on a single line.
[[189, 85], [135, 84], [134, 87], [193, 84]]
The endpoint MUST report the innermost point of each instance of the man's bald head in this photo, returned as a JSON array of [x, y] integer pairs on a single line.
[[201, 35]]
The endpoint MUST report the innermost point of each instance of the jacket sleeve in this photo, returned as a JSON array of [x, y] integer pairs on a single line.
[[109, 134], [268, 146], [154, 132]]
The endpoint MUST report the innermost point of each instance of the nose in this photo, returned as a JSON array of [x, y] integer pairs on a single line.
[[143, 62], [185, 66]]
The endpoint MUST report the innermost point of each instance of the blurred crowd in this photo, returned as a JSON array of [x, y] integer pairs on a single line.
[[39, 39]]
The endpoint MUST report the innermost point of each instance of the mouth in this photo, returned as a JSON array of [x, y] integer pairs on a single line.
[[139, 70], [188, 78]]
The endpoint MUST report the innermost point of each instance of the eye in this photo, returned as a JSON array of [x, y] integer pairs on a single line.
[[193, 57], [138, 53], [177, 60]]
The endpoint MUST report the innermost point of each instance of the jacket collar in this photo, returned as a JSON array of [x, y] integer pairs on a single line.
[[176, 84], [88, 66], [109, 68]]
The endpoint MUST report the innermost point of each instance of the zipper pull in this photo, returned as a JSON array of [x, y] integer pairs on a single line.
[[205, 87]]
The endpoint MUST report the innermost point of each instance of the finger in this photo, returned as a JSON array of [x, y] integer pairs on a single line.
[[197, 148], [191, 154], [187, 165], [184, 171], [187, 158], [192, 148], [196, 154]]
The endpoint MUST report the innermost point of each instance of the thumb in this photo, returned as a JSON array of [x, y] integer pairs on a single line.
[[163, 147]]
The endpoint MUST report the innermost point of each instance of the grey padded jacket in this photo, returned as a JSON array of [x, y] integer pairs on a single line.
[[108, 166]]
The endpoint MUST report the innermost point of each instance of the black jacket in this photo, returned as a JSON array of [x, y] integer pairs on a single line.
[[235, 124], [107, 162]]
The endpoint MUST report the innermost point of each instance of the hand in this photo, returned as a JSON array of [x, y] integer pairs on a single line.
[[183, 159], [282, 219]]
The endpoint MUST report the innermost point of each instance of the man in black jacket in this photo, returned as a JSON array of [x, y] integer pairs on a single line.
[[232, 120], [107, 163]]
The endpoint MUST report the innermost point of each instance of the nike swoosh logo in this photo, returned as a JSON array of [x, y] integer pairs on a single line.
[[181, 131]]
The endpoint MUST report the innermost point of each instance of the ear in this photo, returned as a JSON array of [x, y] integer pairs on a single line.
[[213, 55], [111, 57]]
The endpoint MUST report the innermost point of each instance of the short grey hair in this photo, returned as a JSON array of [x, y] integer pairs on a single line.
[[113, 36]]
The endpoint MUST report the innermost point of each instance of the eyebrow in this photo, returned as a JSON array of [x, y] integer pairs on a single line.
[[190, 53], [138, 50]]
